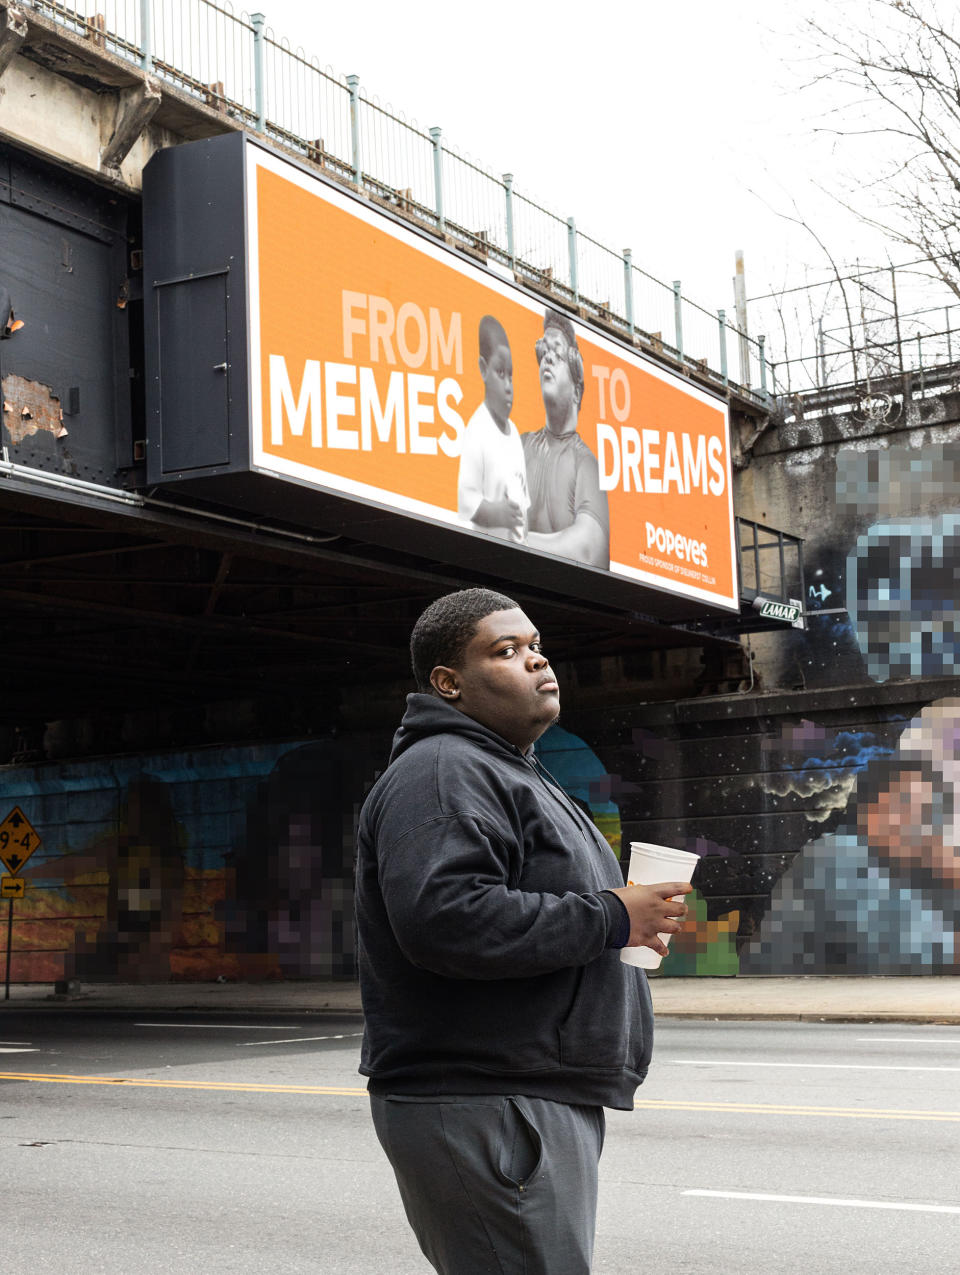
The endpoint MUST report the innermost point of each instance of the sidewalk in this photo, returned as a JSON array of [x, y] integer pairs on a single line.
[[931, 999]]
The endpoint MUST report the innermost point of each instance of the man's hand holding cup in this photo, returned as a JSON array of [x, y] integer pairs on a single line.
[[653, 910]]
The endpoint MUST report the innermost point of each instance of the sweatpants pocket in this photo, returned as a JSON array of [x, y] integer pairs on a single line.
[[521, 1147]]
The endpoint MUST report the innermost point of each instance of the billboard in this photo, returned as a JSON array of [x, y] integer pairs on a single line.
[[387, 368]]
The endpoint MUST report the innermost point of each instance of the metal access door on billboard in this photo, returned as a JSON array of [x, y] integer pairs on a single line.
[[383, 385], [192, 320]]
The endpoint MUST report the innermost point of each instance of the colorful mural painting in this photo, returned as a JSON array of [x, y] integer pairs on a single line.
[[876, 892], [880, 894], [237, 863], [222, 862], [825, 814]]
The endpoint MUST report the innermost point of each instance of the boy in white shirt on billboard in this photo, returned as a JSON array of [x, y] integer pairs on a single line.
[[492, 483]]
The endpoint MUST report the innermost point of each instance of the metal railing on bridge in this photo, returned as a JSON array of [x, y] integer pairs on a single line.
[[848, 338], [236, 64]]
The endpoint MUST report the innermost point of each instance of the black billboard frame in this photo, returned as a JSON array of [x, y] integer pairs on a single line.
[[198, 427]]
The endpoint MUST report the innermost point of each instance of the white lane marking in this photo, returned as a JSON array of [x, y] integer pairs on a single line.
[[18, 1049], [722, 1062], [234, 1027], [829, 1200], [295, 1040], [909, 1040]]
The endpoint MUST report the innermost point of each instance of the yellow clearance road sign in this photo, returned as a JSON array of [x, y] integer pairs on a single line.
[[18, 840], [12, 887]]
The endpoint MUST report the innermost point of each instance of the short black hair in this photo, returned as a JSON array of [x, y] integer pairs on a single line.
[[441, 634], [490, 335]]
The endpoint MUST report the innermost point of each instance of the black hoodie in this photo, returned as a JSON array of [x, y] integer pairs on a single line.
[[485, 964]]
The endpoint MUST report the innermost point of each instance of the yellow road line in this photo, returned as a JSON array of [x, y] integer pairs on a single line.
[[145, 1082], [343, 1091]]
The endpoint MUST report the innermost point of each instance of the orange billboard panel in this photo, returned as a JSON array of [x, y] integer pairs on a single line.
[[387, 368]]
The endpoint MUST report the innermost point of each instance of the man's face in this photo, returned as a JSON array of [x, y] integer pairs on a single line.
[[556, 383], [497, 373], [504, 680], [904, 825]]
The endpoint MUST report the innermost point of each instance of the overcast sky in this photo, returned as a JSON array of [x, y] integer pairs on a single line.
[[678, 130]]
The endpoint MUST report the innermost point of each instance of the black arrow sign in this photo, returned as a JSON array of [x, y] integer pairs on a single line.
[[14, 862], [16, 819]]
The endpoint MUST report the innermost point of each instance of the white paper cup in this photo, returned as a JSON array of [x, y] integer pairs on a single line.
[[651, 865]]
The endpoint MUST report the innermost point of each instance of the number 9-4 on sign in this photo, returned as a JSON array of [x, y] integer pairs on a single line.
[[18, 840]]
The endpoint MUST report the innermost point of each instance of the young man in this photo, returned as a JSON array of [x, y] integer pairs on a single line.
[[499, 1017], [569, 513]]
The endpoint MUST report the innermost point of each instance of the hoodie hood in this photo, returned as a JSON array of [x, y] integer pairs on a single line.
[[426, 715]]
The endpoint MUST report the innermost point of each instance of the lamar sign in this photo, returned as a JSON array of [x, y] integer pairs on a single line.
[[385, 368]]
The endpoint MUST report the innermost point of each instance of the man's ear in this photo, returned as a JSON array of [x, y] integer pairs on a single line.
[[445, 682], [482, 364]]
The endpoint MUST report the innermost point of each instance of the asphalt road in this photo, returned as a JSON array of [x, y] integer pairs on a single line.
[[165, 1144]]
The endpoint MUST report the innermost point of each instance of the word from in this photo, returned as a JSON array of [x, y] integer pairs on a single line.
[[418, 336]]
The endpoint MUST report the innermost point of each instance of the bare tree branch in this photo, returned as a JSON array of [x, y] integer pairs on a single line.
[[902, 66]]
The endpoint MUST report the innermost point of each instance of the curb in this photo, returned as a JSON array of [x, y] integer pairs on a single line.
[[90, 1003], [811, 1016]]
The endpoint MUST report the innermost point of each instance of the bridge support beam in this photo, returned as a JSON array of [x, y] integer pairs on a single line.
[[13, 32], [135, 107]]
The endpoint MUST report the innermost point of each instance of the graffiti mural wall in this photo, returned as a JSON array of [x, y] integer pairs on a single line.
[[825, 800], [221, 862], [826, 847], [873, 886]]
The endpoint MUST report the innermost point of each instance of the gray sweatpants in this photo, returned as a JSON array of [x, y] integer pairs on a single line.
[[496, 1185]]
